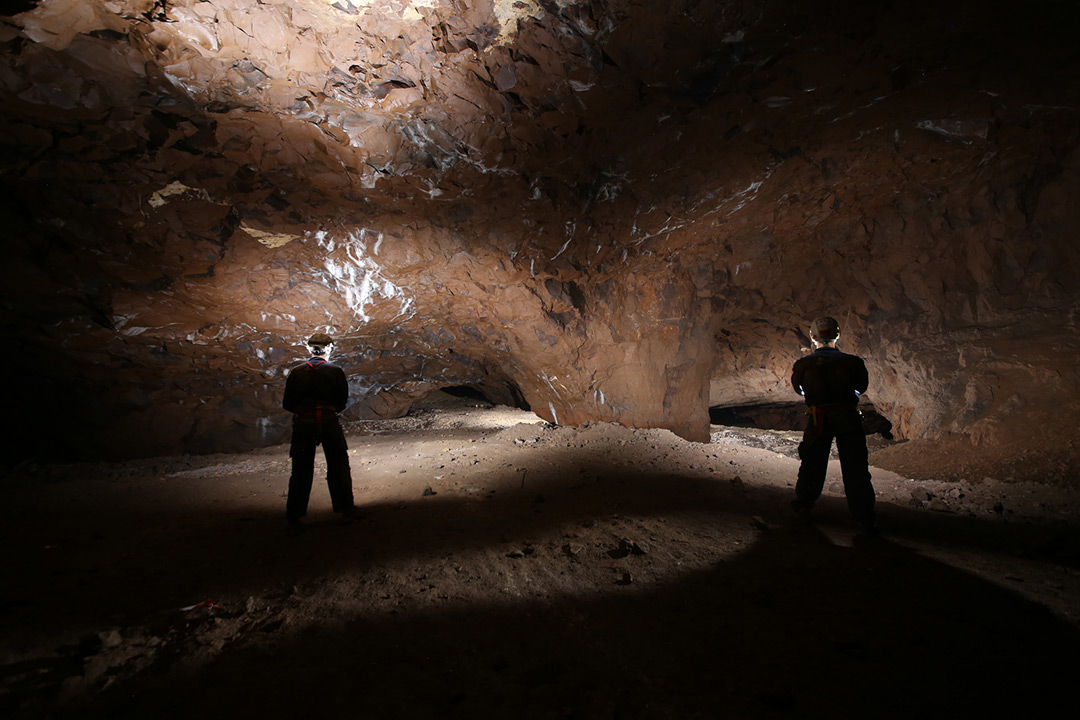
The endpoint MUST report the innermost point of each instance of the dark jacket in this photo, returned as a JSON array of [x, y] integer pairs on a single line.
[[314, 384], [828, 376]]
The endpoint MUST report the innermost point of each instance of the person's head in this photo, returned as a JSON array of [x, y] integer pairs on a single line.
[[320, 344], [824, 331]]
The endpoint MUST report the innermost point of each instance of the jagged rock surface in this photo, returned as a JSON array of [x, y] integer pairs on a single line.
[[606, 210]]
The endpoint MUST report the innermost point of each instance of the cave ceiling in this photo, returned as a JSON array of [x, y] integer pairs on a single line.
[[601, 209]]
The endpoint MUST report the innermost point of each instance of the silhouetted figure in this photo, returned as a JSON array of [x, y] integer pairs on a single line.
[[315, 393], [832, 381]]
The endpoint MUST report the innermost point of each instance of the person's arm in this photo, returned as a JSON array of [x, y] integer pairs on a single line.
[[341, 390], [796, 378], [288, 401], [862, 378]]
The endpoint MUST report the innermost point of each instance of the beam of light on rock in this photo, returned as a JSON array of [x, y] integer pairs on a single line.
[[353, 273]]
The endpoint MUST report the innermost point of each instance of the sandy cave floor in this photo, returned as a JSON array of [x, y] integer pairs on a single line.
[[504, 567]]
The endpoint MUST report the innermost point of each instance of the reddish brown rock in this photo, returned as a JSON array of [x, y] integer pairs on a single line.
[[609, 211]]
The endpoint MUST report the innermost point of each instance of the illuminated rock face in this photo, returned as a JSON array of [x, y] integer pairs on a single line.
[[605, 210]]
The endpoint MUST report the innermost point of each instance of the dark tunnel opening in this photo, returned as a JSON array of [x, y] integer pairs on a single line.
[[790, 417], [768, 416], [467, 392], [508, 394]]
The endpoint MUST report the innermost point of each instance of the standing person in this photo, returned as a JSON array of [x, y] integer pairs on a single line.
[[832, 381], [315, 393]]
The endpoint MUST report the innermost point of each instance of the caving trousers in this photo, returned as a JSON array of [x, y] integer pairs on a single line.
[[844, 424], [310, 429]]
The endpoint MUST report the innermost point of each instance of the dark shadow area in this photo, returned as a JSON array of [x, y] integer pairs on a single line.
[[793, 627], [771, 416], [468, 396], [219, 542], [9, 8], [497, 393], [790, 417], [210, 548], [789, 625], [466, 392]]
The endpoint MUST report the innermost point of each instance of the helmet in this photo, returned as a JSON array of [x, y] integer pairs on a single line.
[[320, 339], [825, 329]]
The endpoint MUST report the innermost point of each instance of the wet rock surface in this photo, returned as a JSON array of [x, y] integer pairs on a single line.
[[602, 210]]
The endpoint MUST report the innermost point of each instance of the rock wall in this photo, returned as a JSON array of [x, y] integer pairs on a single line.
[[607, 210]]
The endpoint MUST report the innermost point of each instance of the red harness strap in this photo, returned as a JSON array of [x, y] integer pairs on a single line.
[[316, 410], [817, 414]]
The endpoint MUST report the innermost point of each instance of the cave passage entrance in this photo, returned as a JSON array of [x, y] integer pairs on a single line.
[[766, 416], [789, 416], [467, 392], [465, 395]]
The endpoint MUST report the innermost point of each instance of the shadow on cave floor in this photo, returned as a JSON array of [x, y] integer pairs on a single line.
[[793, 627], [513, 591]]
